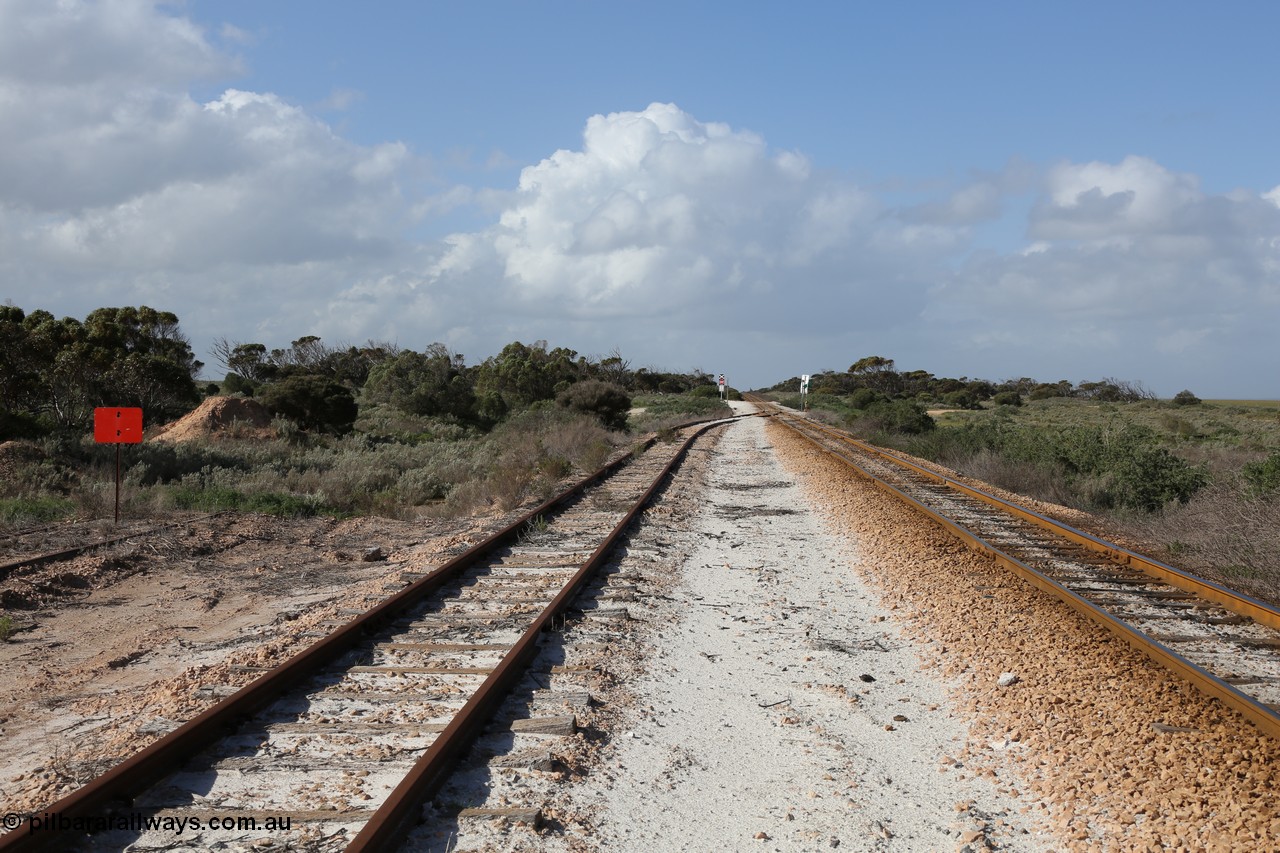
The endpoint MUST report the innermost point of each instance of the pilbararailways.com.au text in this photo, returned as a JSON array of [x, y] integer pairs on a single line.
[[139, 822]]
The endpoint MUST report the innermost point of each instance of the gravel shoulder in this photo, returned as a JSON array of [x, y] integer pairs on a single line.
[[780, 708], [1106, 749]]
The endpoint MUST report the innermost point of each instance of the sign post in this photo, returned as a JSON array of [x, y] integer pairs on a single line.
[[721, 386], [804, 392], [117, 426]]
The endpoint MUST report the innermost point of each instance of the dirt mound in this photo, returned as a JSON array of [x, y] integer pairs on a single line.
[[15, 455], [217, 416]]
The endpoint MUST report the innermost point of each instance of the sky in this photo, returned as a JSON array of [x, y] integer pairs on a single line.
[[990, 190]]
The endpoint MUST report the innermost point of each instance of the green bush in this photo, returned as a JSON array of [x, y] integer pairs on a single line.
[[961, 400], [864, 398], [1095, 467], [903, 417], [269, 503], [1007, 398], [27, 510], [314, 402], [603, 400], [1263, 476], [234, 383], [155, 462], [1185, 398], [705, 391]]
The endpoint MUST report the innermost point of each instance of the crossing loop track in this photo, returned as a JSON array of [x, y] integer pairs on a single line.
[[1222, 642], [591, 518]]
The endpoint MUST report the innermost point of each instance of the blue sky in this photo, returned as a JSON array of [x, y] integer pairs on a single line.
[[1064, 191]]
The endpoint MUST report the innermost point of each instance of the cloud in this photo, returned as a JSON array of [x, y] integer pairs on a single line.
[[661, 233], [1098, 200], [1130, 264], [74, 44], [663, 216], [342, 99]]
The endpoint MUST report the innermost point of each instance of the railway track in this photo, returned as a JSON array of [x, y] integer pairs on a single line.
[[346, 741], [1222, 642]]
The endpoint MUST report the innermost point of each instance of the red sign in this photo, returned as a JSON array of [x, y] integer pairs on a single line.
[[117, 426]]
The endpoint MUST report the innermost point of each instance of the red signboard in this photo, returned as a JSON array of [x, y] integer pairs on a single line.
[[117, 426]]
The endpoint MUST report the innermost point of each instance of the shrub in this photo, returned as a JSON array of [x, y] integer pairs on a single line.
[[961, 400], [705, 391], [21, 425], [1185, 398], [604, 400], [234, 383], [863, 398], [899, 416], [1007, 398], [1263, 476], [1148, 478]]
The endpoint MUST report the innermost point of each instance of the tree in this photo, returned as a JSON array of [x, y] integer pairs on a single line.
[[876, 372], [616, 369], [428, 383], [313, 402], [526, 374], [60, 370], [1185, 398], [249, 361], [142, 359]]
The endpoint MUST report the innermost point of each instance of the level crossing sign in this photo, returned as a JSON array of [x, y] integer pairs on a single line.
[[117, 426]]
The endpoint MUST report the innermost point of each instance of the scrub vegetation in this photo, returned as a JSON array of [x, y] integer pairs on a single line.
[[1198, 479], [376, 429]]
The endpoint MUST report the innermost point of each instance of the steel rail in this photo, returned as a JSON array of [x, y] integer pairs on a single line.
[[403, 807], [128, 779], [67, 553], [1265, 717], [1236, 602]]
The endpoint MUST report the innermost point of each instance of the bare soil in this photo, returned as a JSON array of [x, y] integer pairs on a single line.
[[218, 416], [117, 646]]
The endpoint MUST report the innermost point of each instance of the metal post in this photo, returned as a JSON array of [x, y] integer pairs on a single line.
[[117, 483]]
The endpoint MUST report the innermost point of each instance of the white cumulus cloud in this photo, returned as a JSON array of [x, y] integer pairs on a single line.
[[659, 214]]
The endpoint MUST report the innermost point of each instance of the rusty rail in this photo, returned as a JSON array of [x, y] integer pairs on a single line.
[[119, 785], [400, 810]]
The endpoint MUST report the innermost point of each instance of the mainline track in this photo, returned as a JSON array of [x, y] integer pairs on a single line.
[[1222, 642], [426, 670]]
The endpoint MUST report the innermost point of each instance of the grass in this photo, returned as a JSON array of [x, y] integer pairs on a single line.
[[1252, 429], [1246, 404], [402, 467], [1219, 517], [217, 499], [664, 410], [7, 628], [26, 510]]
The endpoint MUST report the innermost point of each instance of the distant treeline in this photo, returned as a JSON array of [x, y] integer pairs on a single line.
[[875, 378], [54, 372]]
